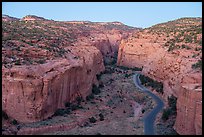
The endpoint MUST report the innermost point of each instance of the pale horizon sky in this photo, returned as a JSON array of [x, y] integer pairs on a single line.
[[136, 14]]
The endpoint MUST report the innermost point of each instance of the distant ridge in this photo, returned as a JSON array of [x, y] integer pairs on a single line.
[[9, 18], [33, 17]]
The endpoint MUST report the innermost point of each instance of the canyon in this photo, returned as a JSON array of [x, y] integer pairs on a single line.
[[47, 63], [147, 50], [40, 71]]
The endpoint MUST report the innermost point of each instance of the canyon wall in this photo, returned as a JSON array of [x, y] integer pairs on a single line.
[[171, 68], [34, 92], [189, 106], [49, 63], [107, 42]]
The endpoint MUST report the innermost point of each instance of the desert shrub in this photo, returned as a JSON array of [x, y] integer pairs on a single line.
[[71, 106], [166, 114], [188, 39], [79, 99], [137, 69], [123, 67], [127, 75], [101, 117], [92, 120], [171, 47], [187, 47], [195, 38], [18, 48], [17, 62], [172, 103], [194, 55], [200, 42], [197, 65], [4, 115], [183, 46], [98, 76], [60, 112], [158, 86], [127, 68], [41, 61], [14, 122], [171, 110], [90, 97], [67, 104], [198, 49], [108, 71], [74, 106], [101, 85], [95, 89]]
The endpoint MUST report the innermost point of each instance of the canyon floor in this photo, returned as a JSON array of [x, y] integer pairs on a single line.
[[117, 110]]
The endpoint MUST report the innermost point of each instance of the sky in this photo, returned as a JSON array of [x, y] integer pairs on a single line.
[[136, 14]]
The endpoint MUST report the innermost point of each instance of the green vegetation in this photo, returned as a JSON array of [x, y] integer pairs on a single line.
[[101, 85], [61, 112], [101, 117], [171, 47], [182, 30], [4, 115], [197, 65], [127, 68], [200, 42], [188, 39], [98, 76], [147, 81], [67, 104], [14, 122], [17, 62], [171, 110], [172, 103], [41, 61], [171, 44], [108, 71], [128, 75], [198, 49], [95, 89], [79, 99], [69, 107], [179, 25], [90, 97], [185, 46], [166, 114], [92, 120]]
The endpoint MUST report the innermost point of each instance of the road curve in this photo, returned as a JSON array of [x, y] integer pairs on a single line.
[[150, 117]]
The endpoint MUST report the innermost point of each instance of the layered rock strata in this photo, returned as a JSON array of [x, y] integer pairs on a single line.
[[34, 92], [171, 68]]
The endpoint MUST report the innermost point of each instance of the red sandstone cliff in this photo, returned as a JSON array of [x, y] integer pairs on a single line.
[[47, 63], [189, 106], [170, 64], [34, 92]]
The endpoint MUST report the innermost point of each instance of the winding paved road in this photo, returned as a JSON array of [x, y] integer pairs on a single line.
[[150, 117]]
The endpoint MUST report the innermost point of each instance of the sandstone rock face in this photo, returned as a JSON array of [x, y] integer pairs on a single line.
[[34, 92], [51, 62], [174, 69], [107, 42], [189, 107]]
